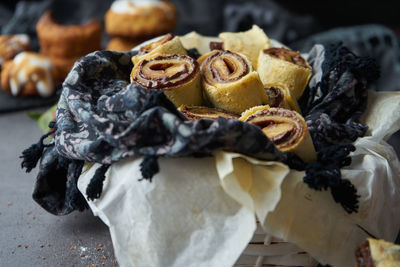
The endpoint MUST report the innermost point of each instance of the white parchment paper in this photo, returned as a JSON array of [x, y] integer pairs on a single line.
[[201, 212], [182, 218]]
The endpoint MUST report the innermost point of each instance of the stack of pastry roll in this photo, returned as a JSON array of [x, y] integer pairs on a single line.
[[284, 66], [285, 128], [230, 83], [225, 78]]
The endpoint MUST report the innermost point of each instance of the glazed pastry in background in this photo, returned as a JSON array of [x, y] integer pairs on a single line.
[[12, 44], [178, 76], [284, 66], [138, 19], [122, 44], [64, 44], [230, 83], [167, 45], [28, 74], [279, 96], [248, 43], [285, 128], [200, 112], [64, 41], [378, 253]]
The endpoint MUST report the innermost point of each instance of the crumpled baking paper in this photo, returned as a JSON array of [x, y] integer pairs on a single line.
[[201, 211], [182, 218]]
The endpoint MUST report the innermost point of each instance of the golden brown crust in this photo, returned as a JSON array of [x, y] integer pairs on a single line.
[[147, 21], [121, 44], [58, 40], [12, 44]]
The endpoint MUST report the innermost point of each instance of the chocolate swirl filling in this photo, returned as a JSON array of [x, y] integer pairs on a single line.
[[148, 48], [199, 112], [224, 67], [276, 97], [363, 256], [166, 72], [287, 55], [216, 46], [282, 126]]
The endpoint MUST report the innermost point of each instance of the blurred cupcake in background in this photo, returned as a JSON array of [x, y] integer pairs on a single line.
[[64, 44], [130, 22]]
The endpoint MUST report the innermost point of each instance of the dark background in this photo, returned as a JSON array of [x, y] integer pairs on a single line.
[[206, 16], [328, 14], [368, 28]]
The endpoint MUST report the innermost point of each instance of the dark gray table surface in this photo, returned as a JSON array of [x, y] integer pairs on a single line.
[[29, 236]]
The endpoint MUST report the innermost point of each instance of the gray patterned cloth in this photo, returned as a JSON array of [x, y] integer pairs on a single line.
[[337, 94], [103, 118]]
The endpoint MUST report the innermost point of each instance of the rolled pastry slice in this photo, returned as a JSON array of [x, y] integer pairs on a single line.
[[168, 45], [280, 97], [378, 253], [248, 43], [285, 128], [177, 76], [287, 67], [230, 83], [28, 74], [200, 112]]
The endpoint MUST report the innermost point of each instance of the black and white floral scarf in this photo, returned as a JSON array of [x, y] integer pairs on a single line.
[[103, 118]]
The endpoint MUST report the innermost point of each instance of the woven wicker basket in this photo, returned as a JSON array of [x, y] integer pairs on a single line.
[[265, 250]]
